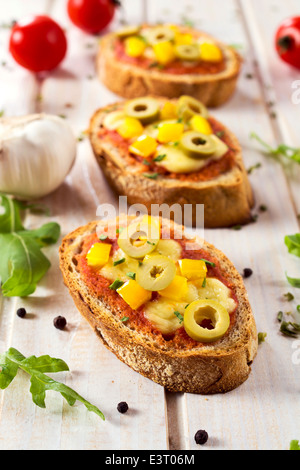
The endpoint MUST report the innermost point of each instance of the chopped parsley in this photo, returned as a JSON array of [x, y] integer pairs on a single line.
[[151, 176], [116, 284], [119, 261], [131, 275], [159, 158], [179, 316]]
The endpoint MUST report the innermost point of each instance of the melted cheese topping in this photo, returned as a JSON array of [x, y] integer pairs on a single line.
[[111, 272], [161, 311]]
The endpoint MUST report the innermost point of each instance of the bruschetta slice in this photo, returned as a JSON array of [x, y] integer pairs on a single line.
[[156, 151], [168, 60], [171, 307]]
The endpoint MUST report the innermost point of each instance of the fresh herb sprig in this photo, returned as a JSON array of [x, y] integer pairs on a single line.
[[292, 243], [22, 263], [291, 153], [12, 360]]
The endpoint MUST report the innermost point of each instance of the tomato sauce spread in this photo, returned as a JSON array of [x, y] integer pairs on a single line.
[[176, 67], [212, 170], [99, 286]]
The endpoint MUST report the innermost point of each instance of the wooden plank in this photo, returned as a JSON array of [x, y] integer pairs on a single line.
[[278, 79], [96, 374], [261, 414], [255, 415]]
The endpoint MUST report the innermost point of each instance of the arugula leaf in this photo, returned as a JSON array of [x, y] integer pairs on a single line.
[[12, 360], [293, 244], [294, 445], [292, 153], [10, 218], [22, 263]]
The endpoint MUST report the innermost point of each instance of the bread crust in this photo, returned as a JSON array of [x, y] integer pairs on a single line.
[[131, 81], [227, 200], [214, 368]]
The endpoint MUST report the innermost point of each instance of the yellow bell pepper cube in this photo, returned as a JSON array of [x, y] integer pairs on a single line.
[[183, 39], [200, 124], [177, 289], [193, 268], [168, 111], [133, 294], [98, 255], [164, 52], [130, 128], [143, 146], [209, 52], [170, 132], [134, 46]]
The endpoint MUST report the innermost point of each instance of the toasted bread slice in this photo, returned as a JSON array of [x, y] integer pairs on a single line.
[[130, 80], [223, 187], [183, 366]]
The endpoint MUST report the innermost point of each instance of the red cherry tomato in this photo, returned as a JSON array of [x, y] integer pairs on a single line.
[[92, 16], [287, 41], [38, 43]]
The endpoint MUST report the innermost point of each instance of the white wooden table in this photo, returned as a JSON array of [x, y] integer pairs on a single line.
[[264, 413]]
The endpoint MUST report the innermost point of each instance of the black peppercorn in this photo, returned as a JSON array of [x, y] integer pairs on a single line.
[[122, 407], [59, 322], [21, 312], [201, 437], [247, 272]]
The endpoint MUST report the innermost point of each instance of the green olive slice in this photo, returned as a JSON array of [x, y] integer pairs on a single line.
[[187, 107], [139, 239], [127, 31], [145, 109], [197, 145], [187, 52], [206, 312], [156, 272], [160, 34]]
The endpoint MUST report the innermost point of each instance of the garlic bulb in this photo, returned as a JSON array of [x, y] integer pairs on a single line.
[[36, 154]]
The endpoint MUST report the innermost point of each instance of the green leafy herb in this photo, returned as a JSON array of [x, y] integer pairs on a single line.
[[119, 261], [280, 316], [22, 263], [159, 158], [124, 319], [253, 167], [261, 337], [291, 153], [116, 284], [131, 275], [293, 244], [152, 176], [204, 282], [179, 316], [150, 243], [12, 360], [288, 328], [236, 227], [288, 296], [220, 134], [103, 236], [295, 282], [294, 445], [208, 262], [146, 162]]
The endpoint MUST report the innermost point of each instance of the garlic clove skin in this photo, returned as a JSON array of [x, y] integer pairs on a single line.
[[36, 154]]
